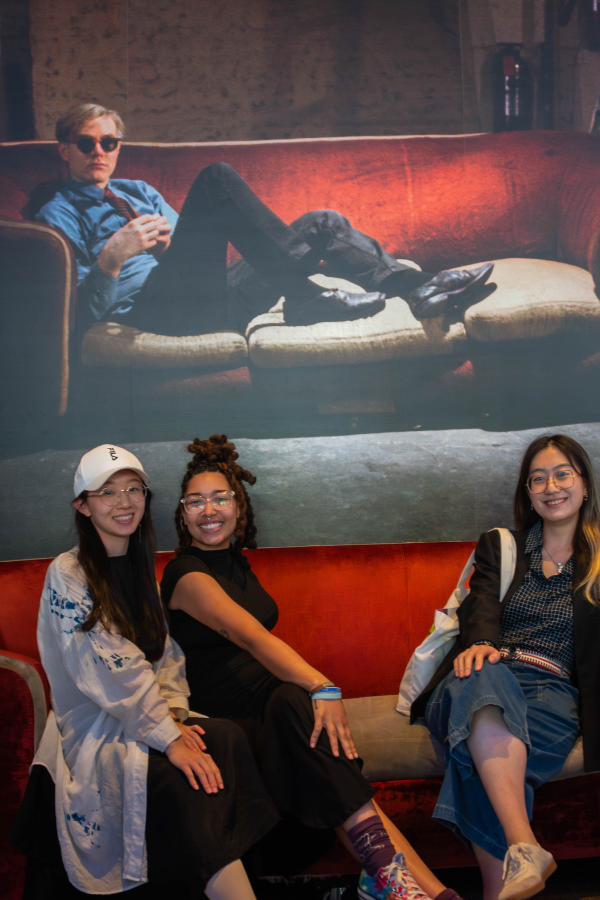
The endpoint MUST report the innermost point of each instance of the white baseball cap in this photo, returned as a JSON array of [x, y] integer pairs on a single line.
[[102, 462]]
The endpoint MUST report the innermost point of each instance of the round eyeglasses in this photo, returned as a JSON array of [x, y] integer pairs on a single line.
[[564, 478], [195, 503], [110, 497]]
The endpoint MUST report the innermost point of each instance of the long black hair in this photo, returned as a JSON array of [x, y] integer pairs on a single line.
[[140, 618]]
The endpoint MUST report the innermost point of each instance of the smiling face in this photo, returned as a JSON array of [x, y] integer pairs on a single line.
[[556, 504], [212, 528], [114, 524], [95, 167]]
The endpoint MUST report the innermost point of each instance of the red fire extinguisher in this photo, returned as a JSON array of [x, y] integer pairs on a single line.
[[513, 90]]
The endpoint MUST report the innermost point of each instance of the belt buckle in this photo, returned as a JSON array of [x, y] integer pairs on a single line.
[[513, 653]]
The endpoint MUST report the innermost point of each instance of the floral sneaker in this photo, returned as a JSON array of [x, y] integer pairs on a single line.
[[392, 883]]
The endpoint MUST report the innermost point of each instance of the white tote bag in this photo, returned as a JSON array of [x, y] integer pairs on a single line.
[[429, 655]]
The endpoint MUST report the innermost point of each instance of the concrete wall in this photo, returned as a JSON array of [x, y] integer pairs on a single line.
[[351, 489], [196, 70]]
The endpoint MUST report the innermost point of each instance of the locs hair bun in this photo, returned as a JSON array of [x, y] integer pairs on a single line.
[[217, 454], [217, 451]]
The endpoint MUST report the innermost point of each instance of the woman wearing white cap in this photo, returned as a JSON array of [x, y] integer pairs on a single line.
[[115, 739]]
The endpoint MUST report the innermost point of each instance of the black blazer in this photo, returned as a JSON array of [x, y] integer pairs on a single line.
[[479, 618]]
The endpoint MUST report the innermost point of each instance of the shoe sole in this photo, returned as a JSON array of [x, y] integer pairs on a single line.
[[362, 894], [532, 891]]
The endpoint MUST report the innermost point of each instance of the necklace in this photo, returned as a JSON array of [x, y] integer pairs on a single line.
[[559, 566]]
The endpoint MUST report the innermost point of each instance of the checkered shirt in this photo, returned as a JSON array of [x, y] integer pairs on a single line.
[[539, 615]]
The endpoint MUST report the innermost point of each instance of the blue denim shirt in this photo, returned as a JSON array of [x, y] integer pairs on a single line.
[[82, 214]]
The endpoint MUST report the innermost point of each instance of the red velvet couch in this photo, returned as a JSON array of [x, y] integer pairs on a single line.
[[355, 612], [530, 201]]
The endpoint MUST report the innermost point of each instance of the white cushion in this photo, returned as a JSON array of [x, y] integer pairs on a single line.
[[110, 344], [535, 298], [394, 333]]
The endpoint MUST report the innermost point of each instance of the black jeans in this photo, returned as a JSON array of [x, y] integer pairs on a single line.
[[193, 291]]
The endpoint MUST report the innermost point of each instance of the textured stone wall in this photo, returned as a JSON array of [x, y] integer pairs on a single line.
[[208, 70], [195, 70]]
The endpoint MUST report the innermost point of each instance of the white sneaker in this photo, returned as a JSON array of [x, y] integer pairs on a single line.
[[526, 868]]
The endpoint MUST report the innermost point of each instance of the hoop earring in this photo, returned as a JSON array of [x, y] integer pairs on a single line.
[[585, 496]]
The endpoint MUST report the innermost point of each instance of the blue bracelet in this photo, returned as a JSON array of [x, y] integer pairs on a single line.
[[327, 693]]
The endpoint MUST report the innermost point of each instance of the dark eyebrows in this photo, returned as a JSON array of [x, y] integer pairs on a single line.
[[554, 468], [135, 478], [209, 493]]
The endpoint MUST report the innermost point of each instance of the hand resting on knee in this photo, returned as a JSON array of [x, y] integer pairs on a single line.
[[477, 653]]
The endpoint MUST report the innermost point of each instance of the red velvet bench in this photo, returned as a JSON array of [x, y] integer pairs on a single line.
[[355, 612]]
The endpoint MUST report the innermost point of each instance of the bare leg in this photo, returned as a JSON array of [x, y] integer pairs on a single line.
[[491, 873], [420, 872], [230, 883], [501, 760]]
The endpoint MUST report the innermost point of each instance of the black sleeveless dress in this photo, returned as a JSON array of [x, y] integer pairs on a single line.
[[312, 786]]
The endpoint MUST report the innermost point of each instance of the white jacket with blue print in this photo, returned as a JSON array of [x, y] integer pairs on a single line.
[[109, 705]]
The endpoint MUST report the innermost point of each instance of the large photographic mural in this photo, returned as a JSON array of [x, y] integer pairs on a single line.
[[387, 428]]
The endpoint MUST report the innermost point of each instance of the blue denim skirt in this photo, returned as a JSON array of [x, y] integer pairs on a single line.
[[538, 707]]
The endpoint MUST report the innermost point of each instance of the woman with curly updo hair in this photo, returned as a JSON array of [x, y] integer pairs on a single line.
[[128, 791], [293, 716], [217, 454]]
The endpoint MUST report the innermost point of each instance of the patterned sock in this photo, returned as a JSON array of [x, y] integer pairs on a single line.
[[372, 843]]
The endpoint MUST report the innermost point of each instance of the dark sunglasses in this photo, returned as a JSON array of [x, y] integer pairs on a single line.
[[87, 144]]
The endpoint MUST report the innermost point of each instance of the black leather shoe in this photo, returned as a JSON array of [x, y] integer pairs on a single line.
[[431, 298], [332, 306]]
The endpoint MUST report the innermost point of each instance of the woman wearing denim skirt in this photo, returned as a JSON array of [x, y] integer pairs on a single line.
[[524, 679]]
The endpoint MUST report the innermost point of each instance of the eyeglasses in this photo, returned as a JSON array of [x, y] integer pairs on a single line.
[[111, 498], [564, 478], [86, 144], [195, 503]]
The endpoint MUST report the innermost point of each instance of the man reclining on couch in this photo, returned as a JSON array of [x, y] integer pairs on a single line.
[[141, 264]]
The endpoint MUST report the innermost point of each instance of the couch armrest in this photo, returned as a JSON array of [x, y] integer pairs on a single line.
[[23, 711], [37, 315], [32, 673], [578, 231]]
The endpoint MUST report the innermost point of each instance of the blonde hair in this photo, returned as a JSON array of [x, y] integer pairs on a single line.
[[75, 118], [586, 542]]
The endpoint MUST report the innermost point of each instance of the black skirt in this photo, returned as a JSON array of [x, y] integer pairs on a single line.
[[314, 786], [190, 834]]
